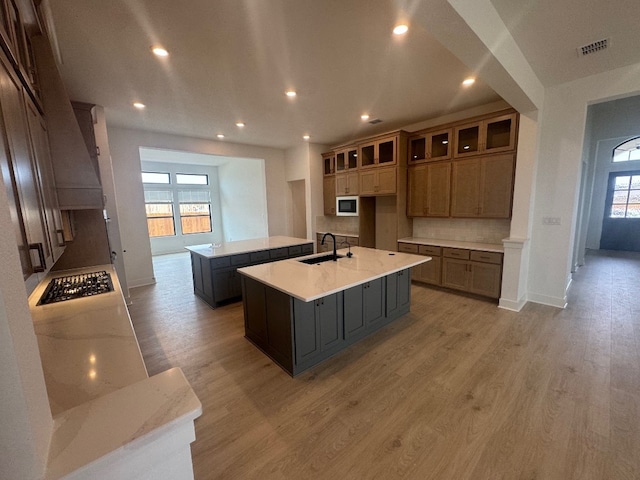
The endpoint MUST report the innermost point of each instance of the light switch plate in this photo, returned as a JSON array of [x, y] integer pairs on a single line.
[[551, 220]]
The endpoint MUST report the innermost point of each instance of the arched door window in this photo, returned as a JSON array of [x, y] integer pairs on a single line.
[[628, 150]]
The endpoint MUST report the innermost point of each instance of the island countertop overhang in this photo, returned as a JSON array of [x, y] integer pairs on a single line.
[[310, 282]]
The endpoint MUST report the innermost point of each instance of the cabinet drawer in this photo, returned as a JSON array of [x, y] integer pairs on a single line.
[[488, 257], [456, 253], [430, 250], [279, 253], [221, 262], [259, 256], [408, 247], [241, 259], [307, 248], [296, 250]]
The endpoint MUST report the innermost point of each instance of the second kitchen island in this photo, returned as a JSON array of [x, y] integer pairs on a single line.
[[300, 313]]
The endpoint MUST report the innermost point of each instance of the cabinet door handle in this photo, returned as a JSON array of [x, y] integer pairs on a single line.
[[60, 235], [43, 266]]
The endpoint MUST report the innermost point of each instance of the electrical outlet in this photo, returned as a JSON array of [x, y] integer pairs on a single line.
[[551, 220]]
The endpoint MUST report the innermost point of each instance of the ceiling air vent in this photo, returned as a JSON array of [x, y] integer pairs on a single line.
[[375, 121], [593, 47]]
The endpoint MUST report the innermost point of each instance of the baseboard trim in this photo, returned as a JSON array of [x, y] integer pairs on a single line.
[[141, 282], [514, 306], [548, 300]]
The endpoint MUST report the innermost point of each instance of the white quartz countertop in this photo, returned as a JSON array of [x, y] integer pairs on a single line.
[[246, 246], [129, 419], [87, 345], [486, 247], [310, 282]]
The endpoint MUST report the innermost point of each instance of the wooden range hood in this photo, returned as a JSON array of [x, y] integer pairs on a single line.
[[77, 176]]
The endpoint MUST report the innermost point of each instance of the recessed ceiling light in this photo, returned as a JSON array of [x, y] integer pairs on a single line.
[[160, 52], [290, 93], [400, 29], [364, 117], [240, 124], [220, 136], [139, 105], [469, 81], [306, 137]]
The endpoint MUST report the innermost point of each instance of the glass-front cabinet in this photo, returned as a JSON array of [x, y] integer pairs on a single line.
[[328, 163], [378, 152], [430, 146], [497, 134], [347, 159]]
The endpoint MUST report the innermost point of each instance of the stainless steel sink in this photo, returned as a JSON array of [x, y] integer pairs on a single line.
[[320, 259]]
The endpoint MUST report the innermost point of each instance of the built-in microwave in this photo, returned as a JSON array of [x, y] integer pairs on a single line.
[[347, 206]]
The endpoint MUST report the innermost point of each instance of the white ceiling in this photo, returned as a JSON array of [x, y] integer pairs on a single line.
[[232, 60]]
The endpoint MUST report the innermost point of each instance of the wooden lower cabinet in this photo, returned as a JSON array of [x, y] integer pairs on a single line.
[[474, 275], [472, 271], [378, 181], [299, 335], [342, 241]]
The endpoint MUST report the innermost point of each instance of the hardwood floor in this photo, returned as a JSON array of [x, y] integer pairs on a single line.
[[457, 389]]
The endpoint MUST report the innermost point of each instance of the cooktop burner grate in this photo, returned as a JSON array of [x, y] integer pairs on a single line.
[[76, 286]]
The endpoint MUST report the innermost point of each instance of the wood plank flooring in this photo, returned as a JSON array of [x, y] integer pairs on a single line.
[[457, 389]]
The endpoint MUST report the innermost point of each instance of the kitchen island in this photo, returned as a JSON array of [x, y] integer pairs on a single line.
[[300, 314], [214, 266]]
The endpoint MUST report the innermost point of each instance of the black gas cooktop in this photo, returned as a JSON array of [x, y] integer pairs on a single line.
[[76, 286]]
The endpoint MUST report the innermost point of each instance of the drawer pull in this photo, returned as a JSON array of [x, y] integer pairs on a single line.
[[43, 265]]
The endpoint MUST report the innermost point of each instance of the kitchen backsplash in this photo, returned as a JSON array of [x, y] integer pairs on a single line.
[[344, 225], [465, 230]]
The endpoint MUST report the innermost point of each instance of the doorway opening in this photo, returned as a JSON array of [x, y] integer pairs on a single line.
[[621, 222]]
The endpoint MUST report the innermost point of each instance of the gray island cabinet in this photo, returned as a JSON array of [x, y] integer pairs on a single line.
[[301, 314], [214, 268]]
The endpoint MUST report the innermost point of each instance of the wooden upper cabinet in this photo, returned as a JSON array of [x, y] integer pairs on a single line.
[[379, 181], [347, 183], [382, 151], [329, 194], [430, 146], [487, 136], [347, 159], [482, 187], [328, 163], [429, 190]]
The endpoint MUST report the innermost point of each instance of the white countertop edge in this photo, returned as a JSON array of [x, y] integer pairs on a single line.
[[338, 288], [246, 246], [516, 242], [127, 419], [485, 247]]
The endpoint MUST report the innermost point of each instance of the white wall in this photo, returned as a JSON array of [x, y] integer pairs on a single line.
[[244, 198], [125, 145], [562, 123]]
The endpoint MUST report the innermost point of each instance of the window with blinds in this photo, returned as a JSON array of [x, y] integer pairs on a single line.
[[195, 211], [159, 208]]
